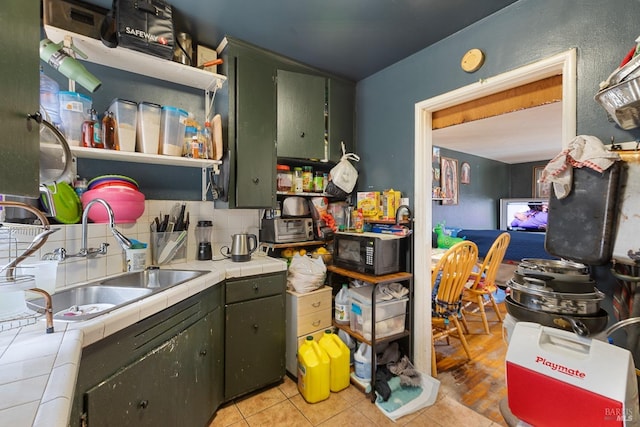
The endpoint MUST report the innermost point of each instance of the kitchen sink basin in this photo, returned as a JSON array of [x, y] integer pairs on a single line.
[[89, 301], [152, 279], [105, 295]]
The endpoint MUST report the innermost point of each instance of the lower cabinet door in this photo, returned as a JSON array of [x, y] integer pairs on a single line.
[[254, 345], [177, 384], [137, 394]]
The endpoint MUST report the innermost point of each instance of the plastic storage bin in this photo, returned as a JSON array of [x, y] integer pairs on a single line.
[[390, 315], [172, 128], [74, 110], [148, 137], [126, 115]]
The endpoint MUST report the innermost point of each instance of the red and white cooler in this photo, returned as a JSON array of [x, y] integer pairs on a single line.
[[557, 378]]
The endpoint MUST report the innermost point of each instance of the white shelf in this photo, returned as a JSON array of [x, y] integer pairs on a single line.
[[155, 159], [138, 62]]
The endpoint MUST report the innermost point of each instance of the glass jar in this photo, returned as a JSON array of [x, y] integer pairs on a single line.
[[318, 182], [284, 178], [307, 179], [297, 179]]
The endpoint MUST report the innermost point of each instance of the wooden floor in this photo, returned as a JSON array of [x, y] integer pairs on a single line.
[[478, 384]]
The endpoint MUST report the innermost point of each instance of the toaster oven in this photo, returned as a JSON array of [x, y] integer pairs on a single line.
[[286, 230]]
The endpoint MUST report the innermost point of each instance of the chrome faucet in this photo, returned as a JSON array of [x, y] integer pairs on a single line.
[[86, 252]]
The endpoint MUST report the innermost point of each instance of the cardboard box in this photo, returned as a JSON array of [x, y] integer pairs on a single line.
[[390, 203], [205, 54], [369, 202]]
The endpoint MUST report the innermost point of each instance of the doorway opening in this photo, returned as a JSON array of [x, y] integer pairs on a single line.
[[561, 64]]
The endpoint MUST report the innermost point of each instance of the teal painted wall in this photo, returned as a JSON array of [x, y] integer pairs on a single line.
[[525, 32]]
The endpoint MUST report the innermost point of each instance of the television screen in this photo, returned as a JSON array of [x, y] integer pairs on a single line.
[[523, 214]]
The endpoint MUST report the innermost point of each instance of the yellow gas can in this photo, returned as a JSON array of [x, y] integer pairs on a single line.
[[339, 360], [313, 371]]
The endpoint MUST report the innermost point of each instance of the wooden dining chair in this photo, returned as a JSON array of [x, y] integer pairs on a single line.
[[481, 286], [448, 279]]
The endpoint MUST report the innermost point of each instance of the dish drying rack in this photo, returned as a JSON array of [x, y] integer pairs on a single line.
[[17, 243]]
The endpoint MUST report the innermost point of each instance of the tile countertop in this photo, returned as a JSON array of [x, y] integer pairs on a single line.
[[38, 370]]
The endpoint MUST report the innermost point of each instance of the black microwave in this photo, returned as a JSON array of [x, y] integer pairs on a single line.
[[369, 253]]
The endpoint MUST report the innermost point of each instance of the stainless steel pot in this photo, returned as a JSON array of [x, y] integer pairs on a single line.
[[556, 302], [554, 284], [594, 323], [568, 268]]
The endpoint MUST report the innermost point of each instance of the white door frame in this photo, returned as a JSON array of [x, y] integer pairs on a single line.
[[563, 63]]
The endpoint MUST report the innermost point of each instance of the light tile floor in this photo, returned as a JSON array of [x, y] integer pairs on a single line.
[[283, 405]]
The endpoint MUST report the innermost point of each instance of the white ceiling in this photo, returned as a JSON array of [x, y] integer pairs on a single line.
[[523, 136]]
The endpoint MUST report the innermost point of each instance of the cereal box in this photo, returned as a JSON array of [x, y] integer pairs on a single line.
[[369, 202]]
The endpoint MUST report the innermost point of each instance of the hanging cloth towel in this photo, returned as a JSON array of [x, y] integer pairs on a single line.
[[582, 151]]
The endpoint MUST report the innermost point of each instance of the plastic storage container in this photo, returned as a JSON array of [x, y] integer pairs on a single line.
[[339, 355], [50, 98], [314, 371], [126, 115], [390, 315], [148, 128], [172, 127], [342, 305], [74, 110]]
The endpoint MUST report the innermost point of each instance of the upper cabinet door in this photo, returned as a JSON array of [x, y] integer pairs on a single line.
[[301, 115], [341, 118], [255, 132], [19, 85]]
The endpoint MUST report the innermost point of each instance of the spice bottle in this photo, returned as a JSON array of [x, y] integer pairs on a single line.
[[297, 180], [318, 182], [307, 179], [109, 132]]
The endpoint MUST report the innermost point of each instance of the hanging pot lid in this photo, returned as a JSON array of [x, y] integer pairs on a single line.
[[56, 160]]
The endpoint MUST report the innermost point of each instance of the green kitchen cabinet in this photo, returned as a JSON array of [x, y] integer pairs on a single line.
[[301, 115], [254, 333], [341, 117], [167, 369], [252, 126], [279, 108], [20, 143]]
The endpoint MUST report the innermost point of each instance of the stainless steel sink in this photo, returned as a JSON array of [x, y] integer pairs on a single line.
[[89, 301], [105, 295], [152, 279]]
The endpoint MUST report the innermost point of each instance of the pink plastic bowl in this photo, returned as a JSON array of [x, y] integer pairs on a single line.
[[127, 204]]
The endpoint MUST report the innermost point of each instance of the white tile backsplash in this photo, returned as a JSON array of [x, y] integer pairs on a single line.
[[226, 222]]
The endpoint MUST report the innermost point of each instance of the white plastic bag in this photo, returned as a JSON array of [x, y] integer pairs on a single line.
[[306, 274], [343, 176]]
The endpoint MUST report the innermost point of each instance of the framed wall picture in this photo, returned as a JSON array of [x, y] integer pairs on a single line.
[[435, 170], [465, 173], [449, 180], [540, 189]]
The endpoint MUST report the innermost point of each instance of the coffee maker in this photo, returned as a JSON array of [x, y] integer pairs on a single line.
[[203, 236]]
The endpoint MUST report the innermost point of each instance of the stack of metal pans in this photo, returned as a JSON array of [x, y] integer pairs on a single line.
[[558, 294]]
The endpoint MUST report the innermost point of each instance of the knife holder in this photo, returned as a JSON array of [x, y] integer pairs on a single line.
[[164, 249]]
